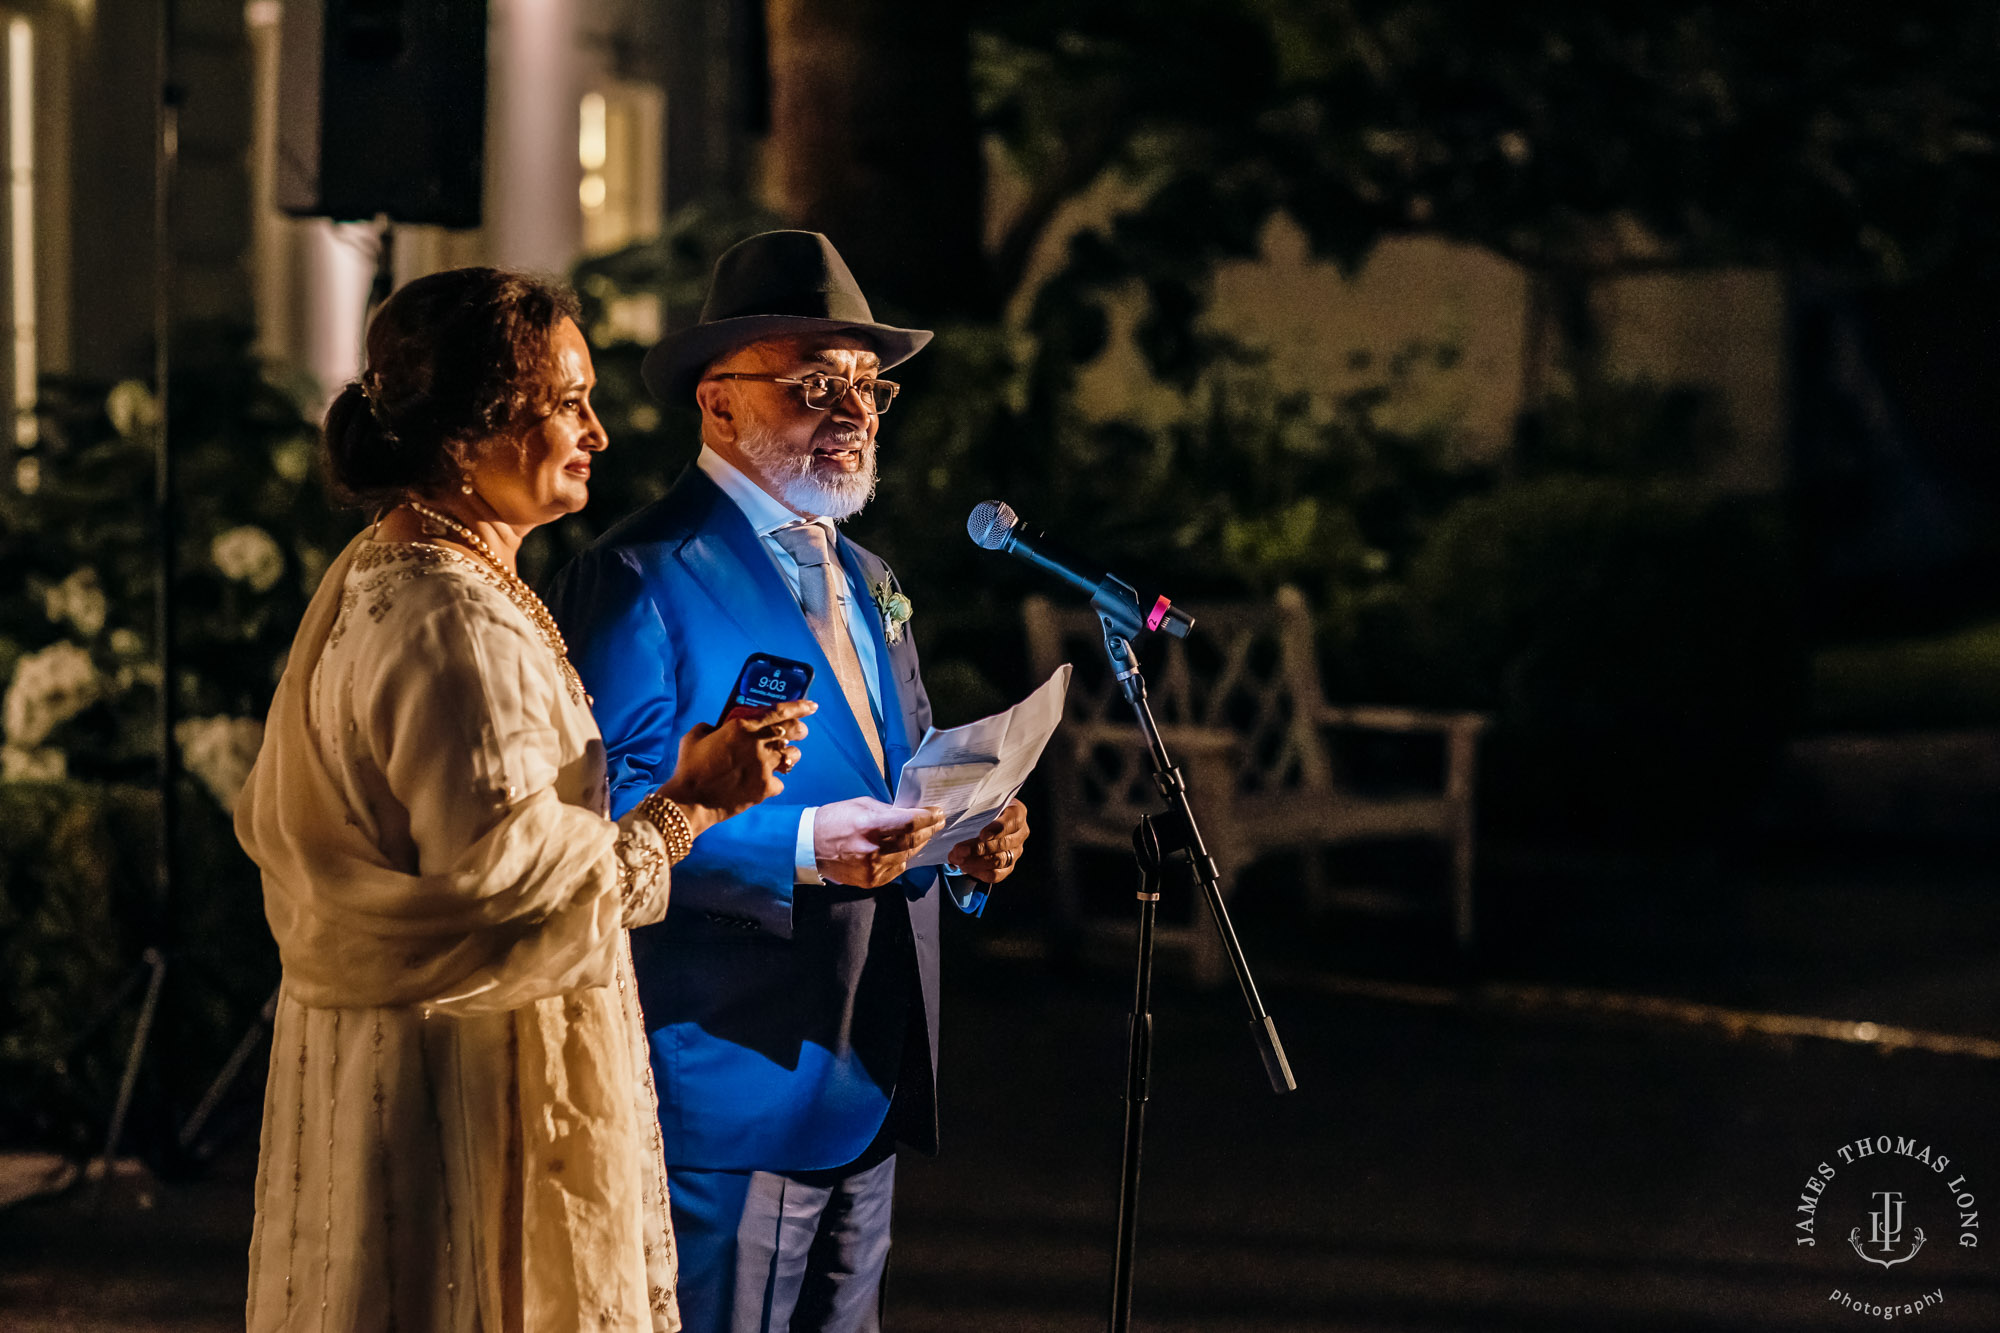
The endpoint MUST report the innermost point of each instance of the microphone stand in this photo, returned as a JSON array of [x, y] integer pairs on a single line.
[[1158, 838]]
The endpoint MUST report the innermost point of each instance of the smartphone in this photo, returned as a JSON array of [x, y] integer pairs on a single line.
[[766, 680]]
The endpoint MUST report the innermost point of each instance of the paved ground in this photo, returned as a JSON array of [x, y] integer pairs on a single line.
[[1500, 1147]]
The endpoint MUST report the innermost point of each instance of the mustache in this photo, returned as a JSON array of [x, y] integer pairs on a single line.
[[782, 461]]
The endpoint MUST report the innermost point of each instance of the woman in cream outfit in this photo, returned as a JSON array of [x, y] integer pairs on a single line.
[[460, 1130]]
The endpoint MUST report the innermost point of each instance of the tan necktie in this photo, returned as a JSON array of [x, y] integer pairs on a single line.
[[819, 598]]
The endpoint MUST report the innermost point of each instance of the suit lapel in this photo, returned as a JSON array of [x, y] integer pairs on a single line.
[[725, 558]]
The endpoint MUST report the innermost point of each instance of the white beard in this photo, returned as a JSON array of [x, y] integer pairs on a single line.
[[838, 496]]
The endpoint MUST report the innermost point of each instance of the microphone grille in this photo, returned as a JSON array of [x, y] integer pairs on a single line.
[[990, 523]]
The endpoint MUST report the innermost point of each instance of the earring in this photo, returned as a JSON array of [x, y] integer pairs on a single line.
[[465, 483]]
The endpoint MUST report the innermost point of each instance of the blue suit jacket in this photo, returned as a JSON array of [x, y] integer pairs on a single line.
[[779, 1018]]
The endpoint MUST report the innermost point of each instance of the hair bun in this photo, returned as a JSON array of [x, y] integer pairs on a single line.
[[357, 444]]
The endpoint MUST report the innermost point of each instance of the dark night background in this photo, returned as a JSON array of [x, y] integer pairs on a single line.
[[1620, 375]]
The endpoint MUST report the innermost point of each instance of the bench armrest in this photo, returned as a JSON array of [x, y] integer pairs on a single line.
[[1386, 717], [1182, 742]]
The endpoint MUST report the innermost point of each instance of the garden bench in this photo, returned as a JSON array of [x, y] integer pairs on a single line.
[[1241, 711]]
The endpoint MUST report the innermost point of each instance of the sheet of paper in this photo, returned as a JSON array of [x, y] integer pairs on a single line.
[[971, 772]]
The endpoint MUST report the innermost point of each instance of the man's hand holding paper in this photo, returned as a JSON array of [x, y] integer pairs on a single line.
[[972, 773], [864, 844], [991, 856]]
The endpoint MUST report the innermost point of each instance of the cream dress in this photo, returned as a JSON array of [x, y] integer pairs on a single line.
[[460, 1131]]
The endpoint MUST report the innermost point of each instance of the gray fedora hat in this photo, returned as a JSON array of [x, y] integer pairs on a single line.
[[775, 284]]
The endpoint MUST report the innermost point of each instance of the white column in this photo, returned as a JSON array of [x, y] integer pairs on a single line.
[[534, 86], [271, 285], [21, 223], [336, 267]]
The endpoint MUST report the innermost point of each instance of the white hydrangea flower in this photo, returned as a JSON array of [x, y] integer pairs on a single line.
[[249, 555], [135, 673], [79, 599], [313, 562], [219, 752], [132, 408], [292, 460], [49, 688], [18, 763], [127, 642]]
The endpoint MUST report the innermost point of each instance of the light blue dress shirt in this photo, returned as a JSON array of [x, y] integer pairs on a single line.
[[766, 516]]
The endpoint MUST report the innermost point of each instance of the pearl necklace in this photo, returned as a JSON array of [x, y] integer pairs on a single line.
[[518, 592]]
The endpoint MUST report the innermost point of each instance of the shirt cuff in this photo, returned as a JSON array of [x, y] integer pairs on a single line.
[[805, 862], [970, 894]]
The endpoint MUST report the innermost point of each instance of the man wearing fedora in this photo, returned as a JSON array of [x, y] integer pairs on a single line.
[[791, 994]]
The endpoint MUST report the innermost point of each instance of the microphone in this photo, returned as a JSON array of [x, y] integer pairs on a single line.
[[994, 526]]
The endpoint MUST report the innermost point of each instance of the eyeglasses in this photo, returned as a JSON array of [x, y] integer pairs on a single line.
[[823, 391]]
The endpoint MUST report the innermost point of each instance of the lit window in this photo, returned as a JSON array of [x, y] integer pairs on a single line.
[[618, 145], [590, 134]]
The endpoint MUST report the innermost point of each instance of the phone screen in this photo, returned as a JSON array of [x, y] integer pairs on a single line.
[[766, 680]]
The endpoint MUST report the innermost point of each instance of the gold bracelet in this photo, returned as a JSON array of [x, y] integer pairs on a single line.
[[672, 824]]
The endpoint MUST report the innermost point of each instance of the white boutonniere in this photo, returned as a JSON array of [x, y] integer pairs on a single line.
[[895, 608]]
